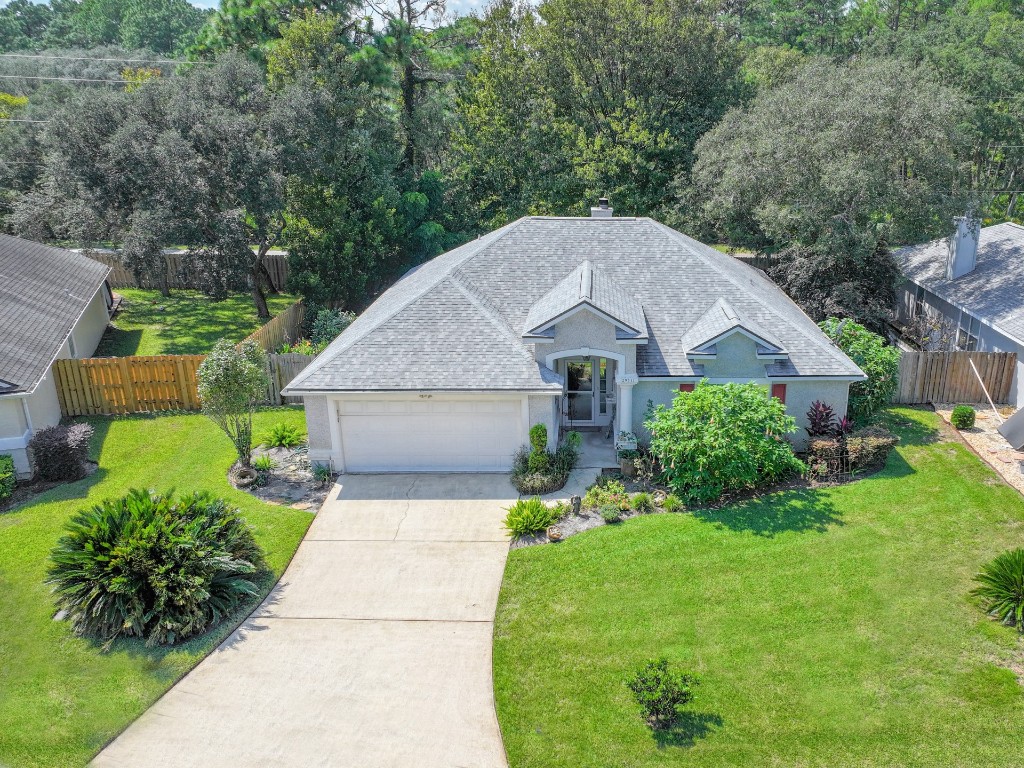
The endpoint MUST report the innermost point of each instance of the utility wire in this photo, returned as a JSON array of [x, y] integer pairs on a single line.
[[18, 120], [90, 58], [69, 79]]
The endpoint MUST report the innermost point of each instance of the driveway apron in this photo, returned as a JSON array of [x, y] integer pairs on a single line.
[[373, 650]]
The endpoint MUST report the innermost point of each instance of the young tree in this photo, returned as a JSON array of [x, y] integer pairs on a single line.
[[232, 381], [830, 168]]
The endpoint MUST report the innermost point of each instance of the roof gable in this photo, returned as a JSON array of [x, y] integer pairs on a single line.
[[43, 293], [587, 287], [721, 321]]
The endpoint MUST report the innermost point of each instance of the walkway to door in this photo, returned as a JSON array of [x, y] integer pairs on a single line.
[[373, 651]]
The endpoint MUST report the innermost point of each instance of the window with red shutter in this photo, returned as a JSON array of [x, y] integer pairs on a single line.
[[779, 391]]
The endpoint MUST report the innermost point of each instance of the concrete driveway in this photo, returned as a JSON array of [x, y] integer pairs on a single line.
[[374, 650]]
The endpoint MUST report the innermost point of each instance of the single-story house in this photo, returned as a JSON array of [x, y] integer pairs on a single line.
[[566, 322], [53, 304], [972, 282]]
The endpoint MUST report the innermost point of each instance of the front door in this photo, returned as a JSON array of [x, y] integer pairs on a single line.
[[579, 380]]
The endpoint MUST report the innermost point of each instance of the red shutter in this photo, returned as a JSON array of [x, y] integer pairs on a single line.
[[779, 391], [686, 387]]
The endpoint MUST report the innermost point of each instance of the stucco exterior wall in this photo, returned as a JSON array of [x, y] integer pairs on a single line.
[[318, 427], [13, 437], [736, 359], [586, 330], [799, 396], [89, 330]]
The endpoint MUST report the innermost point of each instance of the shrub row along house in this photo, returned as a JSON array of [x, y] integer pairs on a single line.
[[967, 292], [566, 322], [53, 304]]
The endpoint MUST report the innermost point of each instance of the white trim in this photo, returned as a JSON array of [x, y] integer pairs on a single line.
[[14, 443], [552, 389], [584, 304], [779, 379], [739, 329], [583, 352], [633, 342]]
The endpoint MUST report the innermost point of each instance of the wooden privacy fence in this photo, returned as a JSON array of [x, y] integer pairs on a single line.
[[121, 385], [285, 328], [177, 276], [946, 377]]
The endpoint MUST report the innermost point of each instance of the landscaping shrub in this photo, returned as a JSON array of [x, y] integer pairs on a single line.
[[962, 417], [610, 513], [323, 473], [721, 438], [826, 457], [263, 463], [672, 503], [528, 516], [147, 565], [538, 471], [879, 360], [7, 478], [869, 447], [604, 492], [60, 452], [328, 325], [661, 691], [282, 435], [232, 380], [1002, 588], [643, 503], [821, 420]]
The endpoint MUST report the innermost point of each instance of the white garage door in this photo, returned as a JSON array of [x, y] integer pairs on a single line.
[[430, 435]]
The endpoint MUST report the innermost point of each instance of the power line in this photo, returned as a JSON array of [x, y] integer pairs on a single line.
[[90, 58], [69, 79], [17, 120]]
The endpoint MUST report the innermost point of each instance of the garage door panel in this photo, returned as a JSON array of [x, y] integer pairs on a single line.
[[424, 435]]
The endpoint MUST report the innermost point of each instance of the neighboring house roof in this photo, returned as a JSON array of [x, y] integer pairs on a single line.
[[43, 293], [456, 322], [586, 286], [993, 291]]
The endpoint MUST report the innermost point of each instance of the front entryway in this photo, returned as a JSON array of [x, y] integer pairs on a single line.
[[589, 398]]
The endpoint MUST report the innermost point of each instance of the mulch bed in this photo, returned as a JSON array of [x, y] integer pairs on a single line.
[[290, 483], [26, 490]]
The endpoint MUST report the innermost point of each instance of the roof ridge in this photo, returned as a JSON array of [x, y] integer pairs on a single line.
[[335, 349], [830, 347]]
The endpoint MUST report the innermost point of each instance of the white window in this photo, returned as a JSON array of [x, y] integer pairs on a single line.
[[967, 335], [917, 304]]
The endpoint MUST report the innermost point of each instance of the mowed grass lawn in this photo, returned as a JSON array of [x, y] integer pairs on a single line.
[[62, 697], [186, 323], [828, 628]]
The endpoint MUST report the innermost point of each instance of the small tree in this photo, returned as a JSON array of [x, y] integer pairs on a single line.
[[722, 438], [879, 360], [232, 381], [661, 691]]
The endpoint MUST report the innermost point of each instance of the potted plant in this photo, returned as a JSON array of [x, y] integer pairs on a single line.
[[627, 462]]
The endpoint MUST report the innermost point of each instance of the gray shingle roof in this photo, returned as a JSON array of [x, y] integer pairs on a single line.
[[993, 291], [587, 286], [720, 320], [43, 293], [454, 322]]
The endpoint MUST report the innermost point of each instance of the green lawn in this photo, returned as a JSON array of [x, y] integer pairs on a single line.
[[61, 697], [829, 628], [186, 323]]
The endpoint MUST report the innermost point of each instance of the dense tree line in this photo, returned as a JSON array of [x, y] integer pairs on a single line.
[[369, 137]]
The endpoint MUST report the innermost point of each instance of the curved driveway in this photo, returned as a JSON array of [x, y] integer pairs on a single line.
[[374, 649]]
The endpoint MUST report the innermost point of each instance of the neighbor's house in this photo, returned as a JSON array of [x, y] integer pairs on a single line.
[[974, 282], [53, 304], [566, 322]]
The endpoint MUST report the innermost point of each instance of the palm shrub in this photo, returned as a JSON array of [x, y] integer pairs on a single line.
[[721, 438], [528, 516], [282, 435], [147, 565], [962, 417], [1002, 588], [661, 691], [879, 360], [7, 478]]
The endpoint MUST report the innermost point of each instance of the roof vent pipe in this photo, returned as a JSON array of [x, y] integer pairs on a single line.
[[602, 211], [963, 247]]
